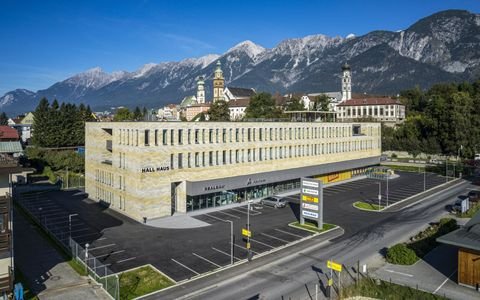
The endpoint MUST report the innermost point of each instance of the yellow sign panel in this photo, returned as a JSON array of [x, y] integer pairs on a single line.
[[310, 198], [333, 265], [330, 281], [248, 245], [246, 232]]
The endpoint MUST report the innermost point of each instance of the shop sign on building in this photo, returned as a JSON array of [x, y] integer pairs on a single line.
[[311, 201]]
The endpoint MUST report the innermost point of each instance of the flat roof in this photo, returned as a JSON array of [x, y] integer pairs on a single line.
[[466, 237]]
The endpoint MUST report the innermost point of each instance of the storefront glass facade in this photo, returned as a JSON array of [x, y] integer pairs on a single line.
[[239, 195]]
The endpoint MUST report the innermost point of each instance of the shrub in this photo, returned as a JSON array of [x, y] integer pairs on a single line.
[[393, 155], [400, 254], [47, 171]]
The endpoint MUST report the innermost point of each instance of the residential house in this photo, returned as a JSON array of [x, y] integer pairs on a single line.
[[237, 108], [193, 110], [383, 109]]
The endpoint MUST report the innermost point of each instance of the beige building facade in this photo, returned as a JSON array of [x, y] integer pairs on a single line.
[[147, 170]]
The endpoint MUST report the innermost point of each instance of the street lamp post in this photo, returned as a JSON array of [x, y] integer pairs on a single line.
[[249, 232], [379, 194], [424, 178], [446, 169], [86, 257], [388, 175], [70, 224]]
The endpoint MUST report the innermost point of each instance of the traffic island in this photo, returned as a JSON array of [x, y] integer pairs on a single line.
[[368, 206], [312, 227], [142, 281]]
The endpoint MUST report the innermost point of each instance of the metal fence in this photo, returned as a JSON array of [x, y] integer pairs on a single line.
[[99, 272]]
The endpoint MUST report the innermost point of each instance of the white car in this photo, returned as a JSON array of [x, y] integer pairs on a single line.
[[274, 201]]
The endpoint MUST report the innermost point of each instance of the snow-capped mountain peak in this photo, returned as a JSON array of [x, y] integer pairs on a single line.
[[144, 70], [249, 47]]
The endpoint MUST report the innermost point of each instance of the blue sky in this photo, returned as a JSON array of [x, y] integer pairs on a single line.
[[42, 42]]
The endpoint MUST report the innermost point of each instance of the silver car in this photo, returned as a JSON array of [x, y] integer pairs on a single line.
[[274, 201]]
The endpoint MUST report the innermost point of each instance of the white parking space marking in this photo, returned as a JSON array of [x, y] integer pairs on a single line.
[[220, 251], [443, 283], [244, 248], [252, 212], [185, 267], [274, 237], [216, 218], [111, 253], [233, 216], [400, 273], [100, 247], [293, 234], [124, 260], [261, 243], [209, 261]]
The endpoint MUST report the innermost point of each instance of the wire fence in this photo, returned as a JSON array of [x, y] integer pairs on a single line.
[[100, 273]]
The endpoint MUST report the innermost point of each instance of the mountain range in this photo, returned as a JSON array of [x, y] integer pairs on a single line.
[[443, 47]]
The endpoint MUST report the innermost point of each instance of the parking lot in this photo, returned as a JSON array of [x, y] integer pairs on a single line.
[[121, 243]]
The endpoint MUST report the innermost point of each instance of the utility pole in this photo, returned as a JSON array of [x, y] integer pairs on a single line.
[[231, 240], [379, 194], [388, 175], [249, 232], [424, 178]]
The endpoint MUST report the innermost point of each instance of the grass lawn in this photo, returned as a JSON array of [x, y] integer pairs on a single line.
[[142, 281], [311, 226], [369, 288], [367, 206]]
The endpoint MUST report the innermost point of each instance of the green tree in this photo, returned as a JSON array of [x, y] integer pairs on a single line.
[[41, 136], [144, 113], [219, 111], [3, 119], [262, 105], [123, 114], [295, 104], [321, 102], [137, 114]]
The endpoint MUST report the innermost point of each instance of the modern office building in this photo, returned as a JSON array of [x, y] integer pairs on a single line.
[[155, 169]]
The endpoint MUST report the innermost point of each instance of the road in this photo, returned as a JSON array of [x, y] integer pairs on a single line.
[[293, 274]]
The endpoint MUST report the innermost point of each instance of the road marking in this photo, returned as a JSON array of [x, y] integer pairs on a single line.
[[225, 253], [261, 243], [100, 247], [216, 218], [209, 261], [252, 212], [273, 237], [299, 236], [245, 248], [185, 267], [233, 216], [124, 260], [445, 281], [111, 253], [400, 273]]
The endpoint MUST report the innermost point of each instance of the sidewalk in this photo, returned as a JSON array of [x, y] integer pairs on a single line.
[[49, 276]]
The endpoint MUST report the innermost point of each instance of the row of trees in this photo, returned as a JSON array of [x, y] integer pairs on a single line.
[[3, 119], [124, 114], [60, 125], [439, 121]]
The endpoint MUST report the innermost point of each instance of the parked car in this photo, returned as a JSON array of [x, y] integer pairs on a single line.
[[274, 201], [474, 196]]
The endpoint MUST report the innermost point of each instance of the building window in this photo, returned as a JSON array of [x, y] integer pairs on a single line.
[[147, 137], [260, 154], [197, 138], [189, 158], [210, 158], [189, 133], [156, 137], [237, 156], [260, 137], [237, 136], [172, 139], [197, 159], [224, 157], [210, 136], [164, 136], [180, 136], [180, 160], [171, 161], [217, 135], [224, 135], [203, 136]]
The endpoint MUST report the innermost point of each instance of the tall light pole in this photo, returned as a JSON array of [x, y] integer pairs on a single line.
[[379, 194], [446, 169], [424, 178], [249, 232], [458, 156], [388, 175], [70, 225], [86, 257]]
